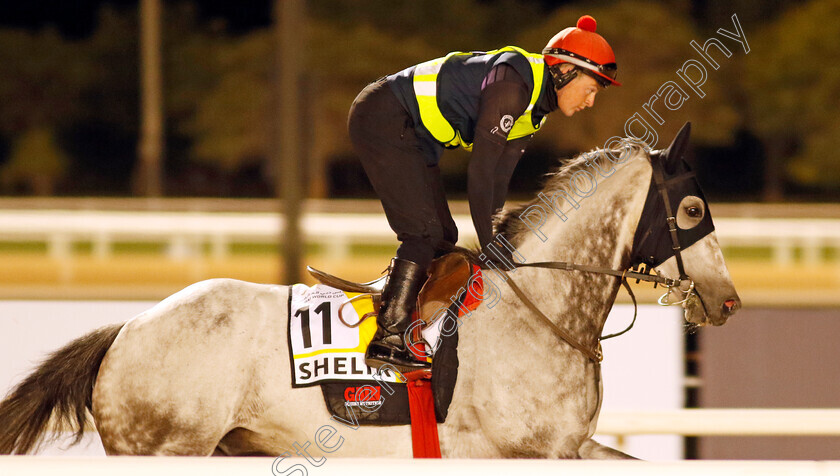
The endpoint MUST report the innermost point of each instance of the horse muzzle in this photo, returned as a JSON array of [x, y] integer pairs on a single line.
[[716, 312], [697, 309]]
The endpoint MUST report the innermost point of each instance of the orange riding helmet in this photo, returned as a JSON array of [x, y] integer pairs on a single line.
[[585, 49]]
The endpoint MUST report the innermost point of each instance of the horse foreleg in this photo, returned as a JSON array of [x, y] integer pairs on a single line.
[[591, 449], [242, 442]]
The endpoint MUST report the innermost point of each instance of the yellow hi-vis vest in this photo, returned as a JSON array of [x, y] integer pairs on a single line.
[[425, 89]]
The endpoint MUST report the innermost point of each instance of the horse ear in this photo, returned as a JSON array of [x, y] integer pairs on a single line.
[[675, 152]]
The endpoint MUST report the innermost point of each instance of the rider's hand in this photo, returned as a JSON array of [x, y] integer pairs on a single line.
[[498, 255]]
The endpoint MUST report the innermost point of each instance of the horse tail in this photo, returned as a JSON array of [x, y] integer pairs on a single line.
[[62, 386]]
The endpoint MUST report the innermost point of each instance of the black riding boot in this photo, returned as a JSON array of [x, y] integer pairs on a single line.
[[398, 302]]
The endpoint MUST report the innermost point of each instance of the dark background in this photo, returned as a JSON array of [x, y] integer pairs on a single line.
[[69, 91]]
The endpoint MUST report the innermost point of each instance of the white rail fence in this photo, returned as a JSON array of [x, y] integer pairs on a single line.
[[181, 466], [722, 422], [185, 234], [719, 422]]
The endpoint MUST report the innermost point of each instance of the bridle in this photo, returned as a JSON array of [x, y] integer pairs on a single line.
[[648, 255], [640, 273]]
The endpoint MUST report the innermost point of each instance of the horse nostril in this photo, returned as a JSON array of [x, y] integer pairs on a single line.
[[729, 305]]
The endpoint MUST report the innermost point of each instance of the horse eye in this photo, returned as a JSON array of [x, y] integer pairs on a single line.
[[694, 212]]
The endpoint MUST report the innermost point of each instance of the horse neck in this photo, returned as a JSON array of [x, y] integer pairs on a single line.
[[599, 233]]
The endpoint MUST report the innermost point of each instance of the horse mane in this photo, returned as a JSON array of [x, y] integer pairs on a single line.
[[507, 222]]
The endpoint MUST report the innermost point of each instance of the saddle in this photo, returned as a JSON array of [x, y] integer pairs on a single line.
[[446, 276]]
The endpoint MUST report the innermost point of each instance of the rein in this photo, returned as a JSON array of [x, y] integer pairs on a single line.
[[631, 274], [595, 353]]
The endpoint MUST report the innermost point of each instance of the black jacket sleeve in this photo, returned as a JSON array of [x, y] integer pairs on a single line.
[[503, 99]]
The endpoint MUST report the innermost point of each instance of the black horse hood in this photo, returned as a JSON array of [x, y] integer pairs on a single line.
[[652, 243]]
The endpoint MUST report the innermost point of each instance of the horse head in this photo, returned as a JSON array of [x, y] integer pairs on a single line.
[[676, 237]]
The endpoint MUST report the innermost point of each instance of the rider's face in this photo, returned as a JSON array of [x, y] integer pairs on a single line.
[[578, 94]]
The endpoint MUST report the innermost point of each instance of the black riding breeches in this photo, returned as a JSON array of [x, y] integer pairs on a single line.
[[396, 162]]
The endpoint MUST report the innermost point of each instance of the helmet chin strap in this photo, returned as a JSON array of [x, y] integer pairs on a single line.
[[560, 78]]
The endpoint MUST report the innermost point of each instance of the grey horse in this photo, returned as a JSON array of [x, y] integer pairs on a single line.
[[206, 371]]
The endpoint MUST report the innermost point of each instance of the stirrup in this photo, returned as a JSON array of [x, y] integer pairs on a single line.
[[402, 360]]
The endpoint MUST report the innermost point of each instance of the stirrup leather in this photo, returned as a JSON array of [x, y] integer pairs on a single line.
[[370, 287]]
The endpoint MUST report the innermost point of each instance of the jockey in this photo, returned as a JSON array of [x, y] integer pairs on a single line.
[[490, 103]]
